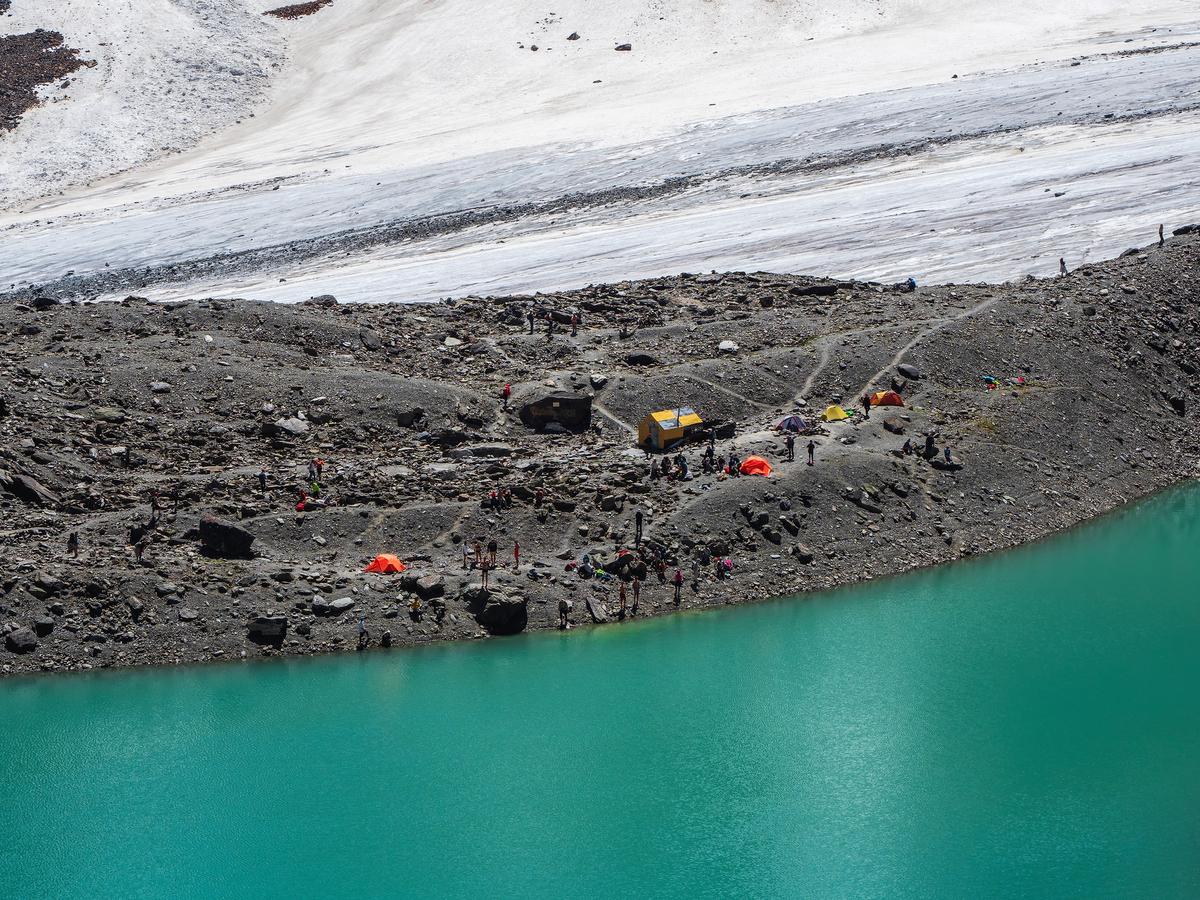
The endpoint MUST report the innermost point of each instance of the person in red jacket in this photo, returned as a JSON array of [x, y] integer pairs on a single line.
[[506, 394], [678, 581]]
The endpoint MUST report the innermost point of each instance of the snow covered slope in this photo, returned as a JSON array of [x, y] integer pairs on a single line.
[[409, 150]]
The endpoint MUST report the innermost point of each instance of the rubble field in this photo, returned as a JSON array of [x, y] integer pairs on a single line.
[[1058, 400]]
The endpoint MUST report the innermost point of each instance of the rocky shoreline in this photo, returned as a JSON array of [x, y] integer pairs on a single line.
[[112, 409]]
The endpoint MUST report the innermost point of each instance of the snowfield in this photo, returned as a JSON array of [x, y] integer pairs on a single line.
[[412, 150]]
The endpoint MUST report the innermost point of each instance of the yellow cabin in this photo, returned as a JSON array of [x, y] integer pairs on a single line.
[[662, 430]]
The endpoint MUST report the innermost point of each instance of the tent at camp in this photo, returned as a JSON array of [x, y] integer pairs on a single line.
[[386, 564], [886, 398], [662, 430], [755, 465], [792, 423], [834, 414]]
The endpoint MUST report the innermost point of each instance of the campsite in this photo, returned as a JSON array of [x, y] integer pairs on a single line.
[[246, 479]]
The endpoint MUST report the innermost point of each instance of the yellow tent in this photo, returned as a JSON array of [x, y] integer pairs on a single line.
[[834, 414], [660, 430]]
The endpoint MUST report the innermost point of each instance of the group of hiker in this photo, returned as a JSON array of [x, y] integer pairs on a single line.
[[533, 313], [482, 557]]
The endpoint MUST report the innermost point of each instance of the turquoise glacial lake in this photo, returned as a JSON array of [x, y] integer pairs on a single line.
[[1021, 725]]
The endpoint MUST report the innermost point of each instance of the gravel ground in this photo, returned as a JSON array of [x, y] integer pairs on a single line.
[[107, 403]]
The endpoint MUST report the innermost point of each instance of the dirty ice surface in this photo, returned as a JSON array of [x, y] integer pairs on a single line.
[[408, 151]]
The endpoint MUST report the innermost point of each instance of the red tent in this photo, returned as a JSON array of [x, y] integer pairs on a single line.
[[386, 564], [755, 465], [886, 398]]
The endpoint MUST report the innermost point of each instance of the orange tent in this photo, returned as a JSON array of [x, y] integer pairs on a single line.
[[886, 398], [386, 564], [755, 465]]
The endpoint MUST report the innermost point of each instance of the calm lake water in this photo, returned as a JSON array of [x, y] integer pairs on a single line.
[[1026, 725]]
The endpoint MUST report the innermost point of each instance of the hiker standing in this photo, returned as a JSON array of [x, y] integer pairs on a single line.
[[478, 554], [1162, 238], [506, 394], [946, 453], [532, 318], [73, 544], [678, 581], [564, 607], [362, 631], [574, 324], [637, 529], [1062, 267], [866, 402], [312, 470], [812, 449], [637, 593], [550, 323], [262, 481], [790, 443], [930, 450], [484, 569], [466, 559], [492, 548], [320, 464], [516, 556], [622, 597]]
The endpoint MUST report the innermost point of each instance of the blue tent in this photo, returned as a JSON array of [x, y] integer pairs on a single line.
[[792, 423]]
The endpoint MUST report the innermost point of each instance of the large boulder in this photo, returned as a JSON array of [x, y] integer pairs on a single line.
[[424, 586], [324, 607], [224, 539], [268, 629], [285, 429], [498, 611], [410, 416], [641, 358], [23, 640], [27, 488]]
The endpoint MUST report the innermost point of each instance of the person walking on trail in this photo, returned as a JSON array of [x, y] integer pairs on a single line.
[[637, 529], [812, 449], [1062, 267], [506, 394], [262, 480], [637, 593], [516, 556], [866, 402], [73, 544], [492, 548], [790, 443], [678, 582]]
